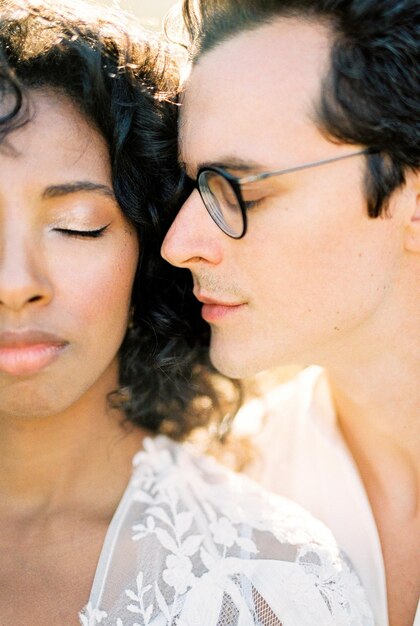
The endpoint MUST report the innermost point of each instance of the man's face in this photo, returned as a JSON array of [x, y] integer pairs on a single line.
[[67, 262], [313, 271]]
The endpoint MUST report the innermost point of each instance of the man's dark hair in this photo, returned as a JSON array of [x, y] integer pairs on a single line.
[[371, 95], [126, 86]]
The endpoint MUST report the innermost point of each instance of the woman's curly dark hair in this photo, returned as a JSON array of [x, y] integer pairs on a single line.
[[125, 84], [371, 94]]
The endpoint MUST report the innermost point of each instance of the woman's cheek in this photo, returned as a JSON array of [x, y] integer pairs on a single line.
[[97, 284]]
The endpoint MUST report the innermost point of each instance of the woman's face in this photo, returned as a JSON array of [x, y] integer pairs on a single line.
[[68, 257]]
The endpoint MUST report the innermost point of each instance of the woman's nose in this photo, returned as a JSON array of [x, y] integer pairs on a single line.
[[23, 277]]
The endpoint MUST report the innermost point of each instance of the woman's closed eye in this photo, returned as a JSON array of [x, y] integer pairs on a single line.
[[73, 232]]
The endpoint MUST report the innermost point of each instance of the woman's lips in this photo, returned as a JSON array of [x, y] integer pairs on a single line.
[[23, 353]]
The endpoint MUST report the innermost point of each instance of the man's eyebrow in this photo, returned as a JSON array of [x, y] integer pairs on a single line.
[[56, 191], [229, 163]]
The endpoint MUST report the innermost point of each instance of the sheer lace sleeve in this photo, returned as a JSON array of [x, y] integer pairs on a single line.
[[193, 544]]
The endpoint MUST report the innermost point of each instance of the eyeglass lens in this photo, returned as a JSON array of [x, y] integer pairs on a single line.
[[221, 202]]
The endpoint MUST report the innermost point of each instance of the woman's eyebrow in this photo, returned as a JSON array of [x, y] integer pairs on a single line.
[[55, 191]]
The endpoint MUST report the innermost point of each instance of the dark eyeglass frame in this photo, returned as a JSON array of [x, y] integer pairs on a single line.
[[235, 183]]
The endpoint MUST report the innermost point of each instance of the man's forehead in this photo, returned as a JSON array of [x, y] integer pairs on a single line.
[[258, 86]]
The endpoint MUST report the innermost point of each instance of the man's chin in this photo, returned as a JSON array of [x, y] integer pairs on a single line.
[[233, 364]]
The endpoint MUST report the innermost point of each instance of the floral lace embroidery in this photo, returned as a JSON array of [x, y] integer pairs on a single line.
[[214, 550]]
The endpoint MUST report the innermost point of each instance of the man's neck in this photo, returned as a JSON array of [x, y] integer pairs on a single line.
[[378, 412], [374, 372], [379, 416], [384, 441]]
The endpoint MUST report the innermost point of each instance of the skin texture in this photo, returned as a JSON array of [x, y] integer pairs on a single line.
[[309, 242], [83, 285], [59, 441], [318, 280]]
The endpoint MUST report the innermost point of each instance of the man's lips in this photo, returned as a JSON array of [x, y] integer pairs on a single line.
[[214, 310], [215, 301], [26, 352]]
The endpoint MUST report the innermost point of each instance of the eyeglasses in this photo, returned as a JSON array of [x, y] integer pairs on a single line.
[[222, 195]]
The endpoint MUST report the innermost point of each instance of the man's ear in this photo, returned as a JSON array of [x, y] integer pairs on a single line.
[[412, 235]]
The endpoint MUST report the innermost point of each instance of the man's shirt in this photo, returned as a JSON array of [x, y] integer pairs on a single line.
[[303, 456]]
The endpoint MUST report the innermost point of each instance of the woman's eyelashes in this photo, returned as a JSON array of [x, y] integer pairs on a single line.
[[73, 232]]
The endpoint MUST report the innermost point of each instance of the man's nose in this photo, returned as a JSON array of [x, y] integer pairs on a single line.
[[23, 276], [193, 237]]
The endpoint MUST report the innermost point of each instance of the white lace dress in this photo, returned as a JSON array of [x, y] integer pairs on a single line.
[[192, 544]]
